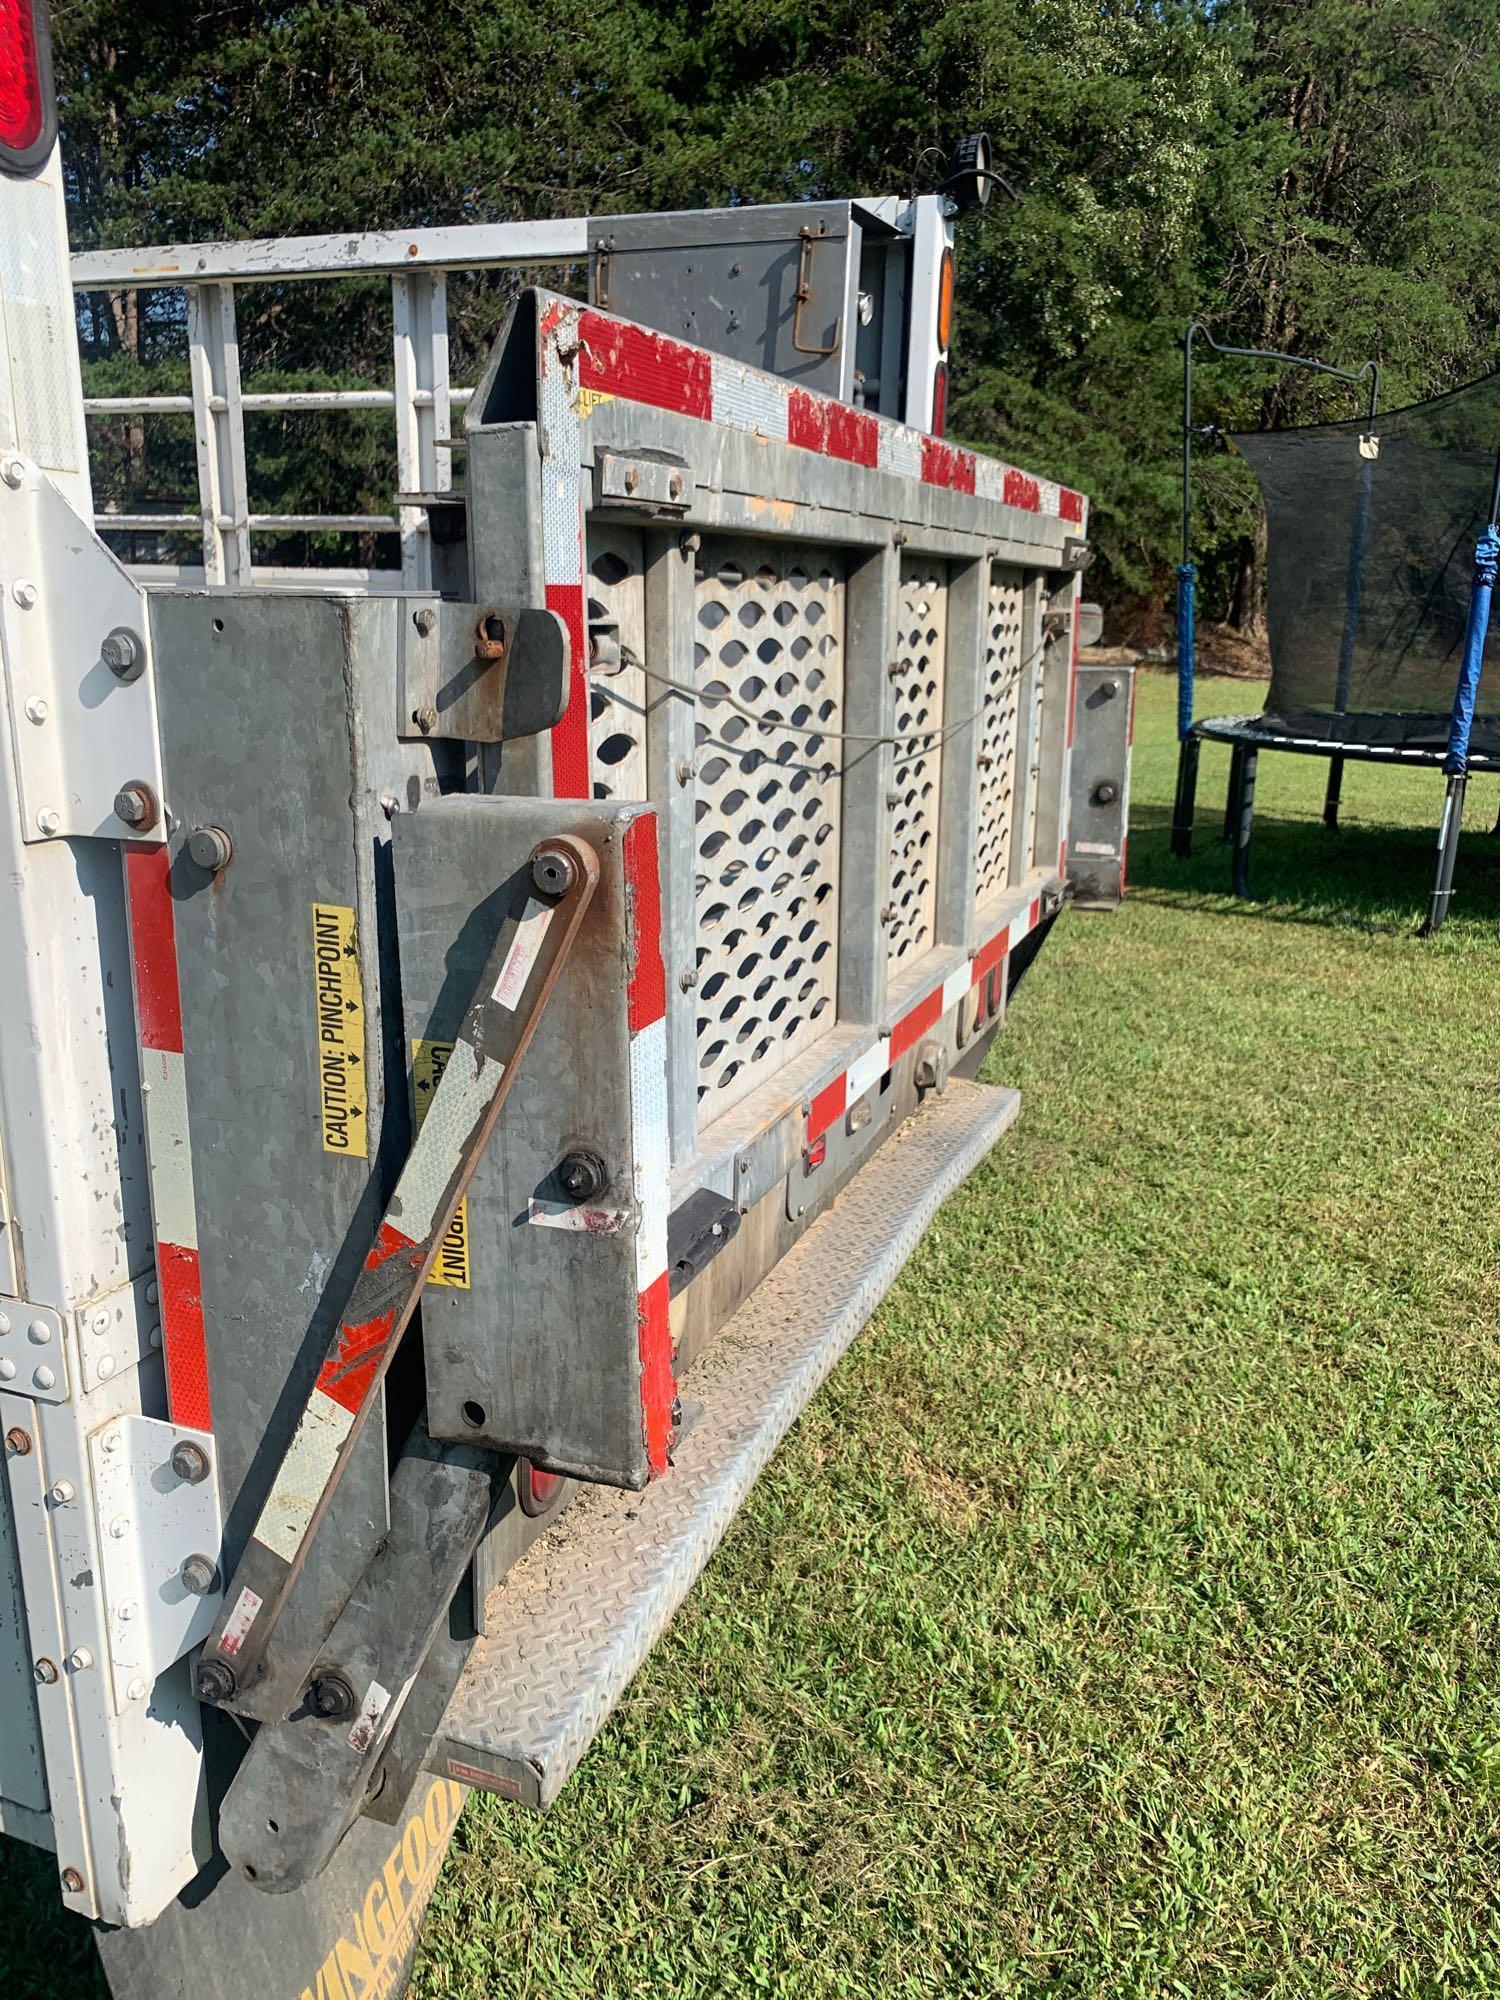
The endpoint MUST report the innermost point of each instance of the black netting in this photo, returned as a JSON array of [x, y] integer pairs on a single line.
[[1368, 566]]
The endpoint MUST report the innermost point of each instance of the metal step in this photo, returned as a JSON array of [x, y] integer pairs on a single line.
[[570, 1624]]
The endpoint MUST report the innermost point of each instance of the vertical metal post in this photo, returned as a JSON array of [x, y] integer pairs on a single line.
[[671, 786], [871, 625], [1333, 793], [1050, 801], [963, 698], [1188, 751], [219, 432], [931, 236], [424, 459], [1465, 696], [1243, 822], [1232, 793], [1023, 797]]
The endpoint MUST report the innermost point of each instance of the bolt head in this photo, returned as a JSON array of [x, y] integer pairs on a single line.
[[80, 1659], [425, 620], [24, 591], [72, 1881], [153, 1292], [153, 1338], [18, 1441], [332, 1697], [123, 653], [214, 1681], [582, 1176], [190, 1461], [13, 470], [425, 719], [135, 804], [63, 1492], [44, 1672], [553, 871], [687, 979], [199, 1574], [4, 1323], [128, 1610]]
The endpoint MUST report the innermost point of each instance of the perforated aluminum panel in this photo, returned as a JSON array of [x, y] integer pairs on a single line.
[[999, 731], [770, 632], [617, 692], [917, 764]]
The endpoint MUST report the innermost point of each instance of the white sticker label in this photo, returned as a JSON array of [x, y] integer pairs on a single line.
[[243, 1616], [377, 1700], [522, 955]]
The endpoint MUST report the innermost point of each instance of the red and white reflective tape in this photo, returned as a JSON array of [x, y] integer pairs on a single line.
[[646, 1006], [829, 1103], [158, 1009], [558, 398], [612, 357]]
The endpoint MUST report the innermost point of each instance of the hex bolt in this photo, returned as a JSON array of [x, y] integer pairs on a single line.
[[425, 719], [199, 1574], [190, 1462], [425, 620], [687, 979], [13, 471], [685, 770], [553, 871], [582, 1176], [44, 1672], [18, 1441], [47, 821], [1105, 794], [80, 1659], [36, 709], [123, 653], [72, 1882], [24, 591], [887, 913], [331, 1696], [136, 805], [211, 848], [690, 544], [63, 1492], [674, 486], [214, 1681]]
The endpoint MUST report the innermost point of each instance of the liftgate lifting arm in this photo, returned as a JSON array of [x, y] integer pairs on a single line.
[[547, 907]]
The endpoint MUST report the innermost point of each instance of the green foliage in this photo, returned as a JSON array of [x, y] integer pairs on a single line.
[[1305, 174]]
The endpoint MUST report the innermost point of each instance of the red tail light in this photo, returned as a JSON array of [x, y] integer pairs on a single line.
[[27, 118], [538, 1489], [940, 399]]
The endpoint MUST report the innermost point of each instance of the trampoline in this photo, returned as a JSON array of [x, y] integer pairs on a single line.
[[1381, 558]]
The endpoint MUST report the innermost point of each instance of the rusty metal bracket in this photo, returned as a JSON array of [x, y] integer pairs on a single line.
[[546, 903], [808, 241], [481, 673]]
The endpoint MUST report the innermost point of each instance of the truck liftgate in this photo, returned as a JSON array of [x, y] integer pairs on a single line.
[[476, 1043]]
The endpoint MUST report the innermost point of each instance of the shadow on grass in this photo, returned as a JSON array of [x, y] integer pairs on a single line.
[[1377, 878]]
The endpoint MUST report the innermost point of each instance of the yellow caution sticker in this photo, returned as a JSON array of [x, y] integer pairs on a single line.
[[339, 1007], [451, 1265], [590, 399]]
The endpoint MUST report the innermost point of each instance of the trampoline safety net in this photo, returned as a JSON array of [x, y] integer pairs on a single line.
[[1369, 560]]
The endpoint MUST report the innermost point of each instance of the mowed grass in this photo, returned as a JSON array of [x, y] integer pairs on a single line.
[[1122, 1617]]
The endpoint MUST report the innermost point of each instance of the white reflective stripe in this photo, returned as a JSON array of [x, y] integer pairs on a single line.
[[1049, 497], [459, 1102], [305, 1472], [1020, 925], [956, 985], [522, 955], [900, 450], [562, 530], [583, 1221], [867, 1069], [239, 1621], [165, 1089], [650, 1151], [749, 400], [989, 478]]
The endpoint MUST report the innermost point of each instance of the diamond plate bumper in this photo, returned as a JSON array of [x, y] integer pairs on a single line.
[[570, 1624]]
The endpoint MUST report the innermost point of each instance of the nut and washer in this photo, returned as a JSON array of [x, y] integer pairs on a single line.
[[72, 1881], [190, 1462], [331, 1696], [18, 1441], [553, 871], [44, 1672], [123, 652], [136, 805], [199, 1574], [582, 1175], [214, 1681]]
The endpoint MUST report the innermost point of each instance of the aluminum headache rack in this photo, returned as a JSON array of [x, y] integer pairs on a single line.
[[470, 1060]]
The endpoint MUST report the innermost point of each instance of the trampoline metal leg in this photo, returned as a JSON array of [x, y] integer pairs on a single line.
[[1187, 795], [1447, 854], [1232, 794], [1333, 793], [1240, 868]]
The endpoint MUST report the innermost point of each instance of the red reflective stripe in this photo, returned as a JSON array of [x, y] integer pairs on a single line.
[[571, 778], [1062, 858], [183, 1346], [817, 423], [1124, 850], [910, 1029], [627, 360], [646, 988], [945, 465], [658, 1389], [827, 1107], [990, 955], [388, 1242], [348, 1373], [23, 105], [1019, 489], [153, 939], [1070, 504]]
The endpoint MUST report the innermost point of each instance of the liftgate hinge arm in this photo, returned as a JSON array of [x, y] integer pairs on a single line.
[[547, 906]]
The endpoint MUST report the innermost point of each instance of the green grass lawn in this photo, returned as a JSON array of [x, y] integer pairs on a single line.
[[1121, 1619]]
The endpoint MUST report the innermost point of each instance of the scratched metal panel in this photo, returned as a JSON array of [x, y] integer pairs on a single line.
[[1000, 728], [538, 1352], [278, 725], [918, 678]]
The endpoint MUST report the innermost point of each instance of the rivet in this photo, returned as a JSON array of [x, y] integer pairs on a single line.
[[44, 1378], [137, 1689], [119, 1527], [7, 1369], [128, 1610], [23, 590], [39, 1331], [153, 1292], [106, 1367], [112, 1442], [36, 709], [154, 1337], [4, 1323], [100, 1322], [47, 821]]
